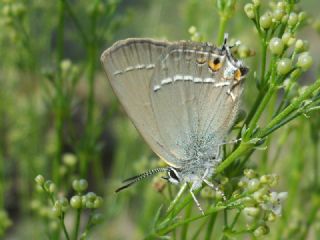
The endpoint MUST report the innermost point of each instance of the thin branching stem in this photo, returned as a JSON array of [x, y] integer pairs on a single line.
[[184, 231], [189, 220], [253, 123], [294, 178], [77, 224], [310, 220], [197, 232], [244, 147], [76, 23], [90, 131], [210, 226], [63, 226], [59, 100], [292, 107], [222, 28], [263, 62], [316, 163], [235, 219]]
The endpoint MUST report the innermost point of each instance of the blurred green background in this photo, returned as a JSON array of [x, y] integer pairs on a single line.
[[59, 118]]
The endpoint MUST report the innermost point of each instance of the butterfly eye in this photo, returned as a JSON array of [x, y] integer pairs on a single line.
[[173, 175], [243, 70], [240, 72], [215, 64]]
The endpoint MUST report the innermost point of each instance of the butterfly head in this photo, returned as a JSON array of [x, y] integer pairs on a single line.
[[173, 176], [238, 70]]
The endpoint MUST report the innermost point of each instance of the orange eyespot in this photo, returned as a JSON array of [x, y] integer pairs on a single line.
[[215, 64], [237, 75]]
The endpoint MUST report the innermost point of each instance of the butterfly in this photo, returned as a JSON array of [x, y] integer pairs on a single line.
[[182, 97]]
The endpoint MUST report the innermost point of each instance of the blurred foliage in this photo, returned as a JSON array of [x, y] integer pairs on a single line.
[[59, 118]]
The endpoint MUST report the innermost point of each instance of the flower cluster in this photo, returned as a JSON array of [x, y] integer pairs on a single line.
[[261, 204], [253, 195], [60, 206], [195, 35], [243, 51], [277, 28], [12, 14], [12, 10]]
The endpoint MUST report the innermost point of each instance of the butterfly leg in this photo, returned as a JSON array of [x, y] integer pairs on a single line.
[[216, 188], [196, 200], [229, 91], [231, 142], [177, 197]]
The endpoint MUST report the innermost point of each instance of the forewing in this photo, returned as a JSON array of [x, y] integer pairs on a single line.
[[191, 102], [129, 65]]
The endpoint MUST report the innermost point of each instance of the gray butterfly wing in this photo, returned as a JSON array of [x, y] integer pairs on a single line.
[[129, 65], [193, 110]]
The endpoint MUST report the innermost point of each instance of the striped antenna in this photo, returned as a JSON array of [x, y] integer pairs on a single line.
[[128, 182]]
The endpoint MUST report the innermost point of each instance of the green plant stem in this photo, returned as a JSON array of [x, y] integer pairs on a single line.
[[263, 62], [92, 66], [198, 231], [315, 163], [3, 152], [282, 123], [59, 95], [170, 222], [222, 27], [253, 123], [77, 224], [170, 193], [295, 169], [243, 162], [50, 195], [168, 229], [280, 144], [63, 226], [184, 231], [177, 198], [235, 220], [291, 4], [265, 158], [283, 102], [244, 147], [262, 82], [2, 182], [89, 224], [60, 32], [238, 152], [26, 41], [253, 109], [76, 23], [90, 133], [263, 168], [179, 207], [225, 218], [292, 107], [210, 226], [310, 220]]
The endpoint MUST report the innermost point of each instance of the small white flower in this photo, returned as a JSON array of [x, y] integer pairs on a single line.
[[274, 203]]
